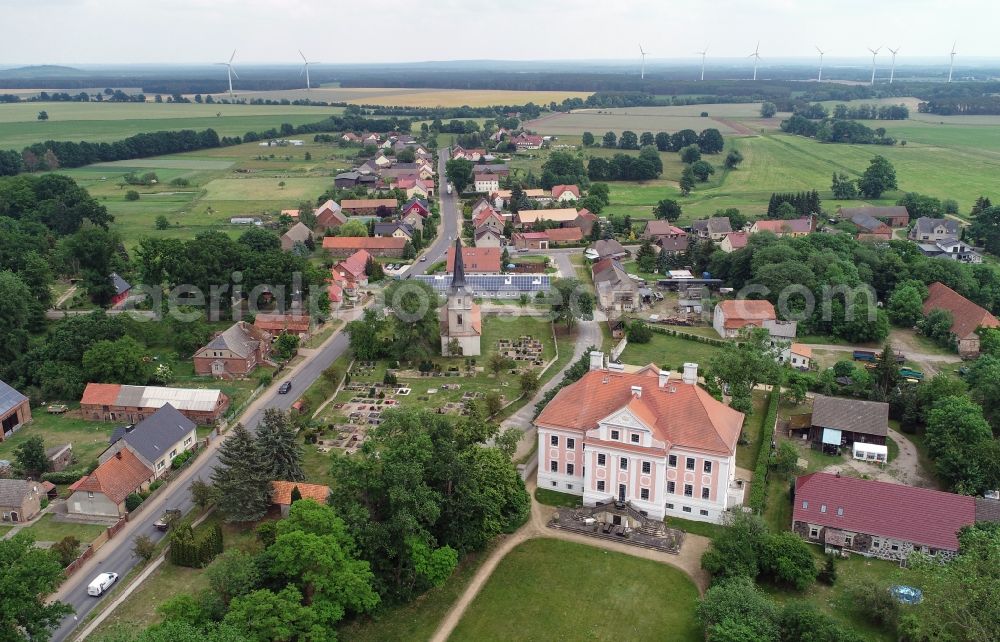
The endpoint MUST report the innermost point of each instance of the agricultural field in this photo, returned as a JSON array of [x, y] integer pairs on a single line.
[[545, 582], [399, 97], [103, 122], [638, 119]]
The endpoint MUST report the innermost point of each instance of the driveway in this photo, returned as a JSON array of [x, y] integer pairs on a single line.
[[904, 469]]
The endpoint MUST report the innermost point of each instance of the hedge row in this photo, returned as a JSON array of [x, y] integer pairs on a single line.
[[758, 487], [195, 548], [690, 337]]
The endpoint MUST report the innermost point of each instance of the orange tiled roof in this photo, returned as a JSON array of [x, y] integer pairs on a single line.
[[688, 417], [476, 259], [281, 492], [966, 315], [740, 312], [116, 478], [101, 394], [363, 243], [283, 322]]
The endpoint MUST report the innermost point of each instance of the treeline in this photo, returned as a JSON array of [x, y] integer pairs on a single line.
[[622, 167], [979, 105], [834, 130], [52, 154], [802, 204], [818, 111], [709, 141]]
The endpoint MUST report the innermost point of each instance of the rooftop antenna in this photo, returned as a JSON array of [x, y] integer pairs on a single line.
[[642, 72], [951, 67], [874, 53], [703, 53], [305, 69], [821, 53], [756, 58], [230, 72], [892, 68]]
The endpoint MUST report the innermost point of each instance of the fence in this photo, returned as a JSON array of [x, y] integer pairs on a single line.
[[690, 337], [94, 546]]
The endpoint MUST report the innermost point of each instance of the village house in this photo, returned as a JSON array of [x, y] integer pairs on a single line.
[[414, 219], [734, 241], [488, 218], [397, 229], [15, 411], [870, 228], [966, 317], [499, 169], [894, 215], [838, 422], [298, 233], [714, 228], [527, 141], [156, 440], [797, 355], [281, 494], [350, 273], [673, 246], [934, 229], [233, 353], [950, 248], [276, 324], [880, 519], [346, 180], [487, 237], [417, 205], [585, 220], [794, 227], [460, 318], [475, 260], [102, 493], [501, 198], [610, 249], [480, 205], [350, 137], [122, 288], [329, 216], [615, 291], [20, 500], [657, 229], [386, 246], [132, 404], [486, 183], [415, 187], [565, 193], [639, 436], [367, 206], [732, 316], [412, 170]]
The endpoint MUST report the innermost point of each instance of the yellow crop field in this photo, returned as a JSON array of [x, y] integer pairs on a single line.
[[396, 97]]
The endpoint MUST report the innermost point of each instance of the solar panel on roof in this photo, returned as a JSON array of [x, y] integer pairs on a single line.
[[493, 283]]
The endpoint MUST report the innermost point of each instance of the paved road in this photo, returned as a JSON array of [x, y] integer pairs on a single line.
[[450, 218], [116, 555]]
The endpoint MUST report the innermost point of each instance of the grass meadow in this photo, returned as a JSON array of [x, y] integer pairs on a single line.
[[404, 97]]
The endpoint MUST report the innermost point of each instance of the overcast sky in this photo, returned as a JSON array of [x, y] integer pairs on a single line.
[[350, 31]]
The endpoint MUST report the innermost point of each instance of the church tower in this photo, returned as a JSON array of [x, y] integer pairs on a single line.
[[461, 319]]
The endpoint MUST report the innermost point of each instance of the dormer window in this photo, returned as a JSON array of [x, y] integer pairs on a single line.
[[615, 435], [634, 437]]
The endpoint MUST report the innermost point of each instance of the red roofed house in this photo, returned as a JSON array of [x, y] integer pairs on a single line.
[[562, 193], [530, 240], [281, 493], [732, 315], [966, 317], [633, 435], [103, 491], [795, 227], [878, 519], [351, 272], [236, 352], [376, 246], [476, 260], [488, 218], [585, 220], [275, 324], [527, 141], [329, 216], [734, 241]]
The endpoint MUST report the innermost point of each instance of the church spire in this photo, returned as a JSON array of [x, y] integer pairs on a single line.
[[458, 274]]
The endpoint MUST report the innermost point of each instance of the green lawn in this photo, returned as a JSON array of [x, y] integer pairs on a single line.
[[47, 529], [555, 498], [669, 352], [89, 438], [560, 590], [753, 426], [705, 529], [778, 504]]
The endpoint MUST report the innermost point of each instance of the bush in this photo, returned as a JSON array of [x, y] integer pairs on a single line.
[[64, 477], [155, 485], [66, 550], [179, 461], [133, 501], [758, 489], [143, 547], [638, 332], [195, 549], [131, 195], [45, 502]]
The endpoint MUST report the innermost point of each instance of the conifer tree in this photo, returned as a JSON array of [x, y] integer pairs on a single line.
[[243, 477], [276, 440]]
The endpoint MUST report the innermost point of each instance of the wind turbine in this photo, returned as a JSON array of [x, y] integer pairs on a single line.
[[951, 67], [703, 53], [892, 69], [756, 58], [642, 72], [305, 68], [821, 53], [231, 72], [874, 53]]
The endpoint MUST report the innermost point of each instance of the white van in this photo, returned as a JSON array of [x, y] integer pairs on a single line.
[[101, 583]]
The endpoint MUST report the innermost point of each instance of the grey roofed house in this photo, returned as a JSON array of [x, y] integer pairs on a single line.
[[925, 228], [851, 415], [388, 229], [237, 338], [121, 285], [298, 233], [867, 222], [9, 399], [152, 437], [13, 491], [716, 225], [496, 168], [673, 245], [610, 248]]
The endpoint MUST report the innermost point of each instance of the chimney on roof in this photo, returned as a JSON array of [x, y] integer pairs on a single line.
[[118, 455], [637, 391], [691, 373], [663, 378], [596, 360]]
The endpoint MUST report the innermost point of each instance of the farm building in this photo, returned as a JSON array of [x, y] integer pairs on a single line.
[[235, 352], [15, 411], [367, 206], [966, 316], [880, 519], [870, 228], [837, 422], [132, 404], [275, 324], [20, 500], [616, 292], [298, 233], [122, 288], [329, 216], [894, 215], [795, 227], [155, 440], [282, 491], [347, 245], [527, 218]]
